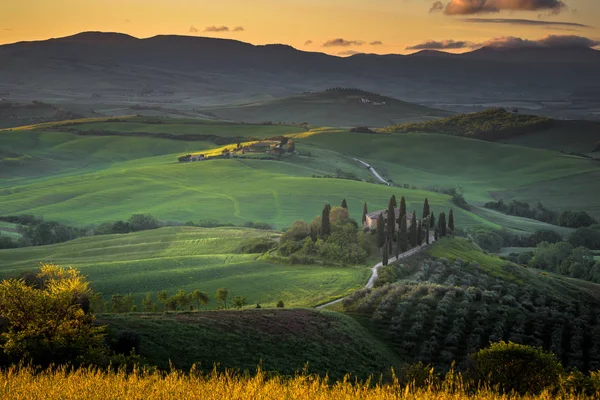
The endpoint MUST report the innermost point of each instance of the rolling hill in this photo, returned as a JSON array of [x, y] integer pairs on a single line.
[[284, 341], [188, 258], [334, 107]]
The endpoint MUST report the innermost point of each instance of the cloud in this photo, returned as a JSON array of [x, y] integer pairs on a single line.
[[193, 29], [308, 42], [441, 45], [550, 41], [342, 43], [376, 43], [216, 29], [524, 22], [468, 7], [437, 6], [239, 29], [348, 53]]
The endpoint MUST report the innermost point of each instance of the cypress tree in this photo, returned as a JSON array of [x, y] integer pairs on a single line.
[[344, 204], [393, 200], [427, 232], [403, 236], [412, 231], [426, 210], [384, 261], [442, 225], [380, 231], [325, 224], [432, 221], [364, 217], [398, 239], [419, 233], [402, 207], [451, 221], [391, 223]]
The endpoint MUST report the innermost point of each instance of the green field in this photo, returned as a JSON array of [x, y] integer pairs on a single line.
[[8, 229], [330, 108], [477, 167], [188, 258], [278, 340]]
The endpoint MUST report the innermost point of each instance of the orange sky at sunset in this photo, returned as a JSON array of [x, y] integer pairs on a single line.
[[371, 26]]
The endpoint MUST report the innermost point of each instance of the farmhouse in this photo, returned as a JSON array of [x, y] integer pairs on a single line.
[[260, 147], [197, 157], [371, 220]]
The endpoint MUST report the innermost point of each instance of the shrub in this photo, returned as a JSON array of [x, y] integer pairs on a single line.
[[576, 219], [510, 366], [256, 245], [586, 237], [127, 341]]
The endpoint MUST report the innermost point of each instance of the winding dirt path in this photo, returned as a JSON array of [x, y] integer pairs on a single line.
[[373, 171]]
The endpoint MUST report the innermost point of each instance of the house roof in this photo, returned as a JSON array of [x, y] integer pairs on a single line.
[[375, 214]]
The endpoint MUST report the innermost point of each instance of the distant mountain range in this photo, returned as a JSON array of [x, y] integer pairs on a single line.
[[184, 72]]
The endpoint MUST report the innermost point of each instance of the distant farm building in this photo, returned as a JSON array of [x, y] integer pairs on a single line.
[[374, 103], [197, 157], [371, 220], [260, 147]]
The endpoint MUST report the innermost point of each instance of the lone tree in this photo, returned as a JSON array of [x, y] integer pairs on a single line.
[[391, 223], [365, 212], [280, 304], [403, 236], [221, 297], [451, 221], [380, 231], [325, 224], [49, 322], [344, 204], [238, 302], [442, 225], [412, 231], [426, 209]]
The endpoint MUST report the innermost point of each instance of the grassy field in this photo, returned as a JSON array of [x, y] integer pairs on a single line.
[[8, 229], [330, 108], [278, 340], [477, 167], [188, 258]]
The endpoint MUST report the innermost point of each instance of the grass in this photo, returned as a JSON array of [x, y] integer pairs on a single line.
[[28, 384], [285, 341], [188, 258], [8, 229], [330, 108], [477, 167]]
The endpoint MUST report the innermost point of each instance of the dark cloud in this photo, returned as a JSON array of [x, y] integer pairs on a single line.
[[239, 29], [216, 29], [550, 41], [441, 45], [342, 43], [376, 43], [437, 6], [467, 7], [193, 29], [524, 22], [308, 42]]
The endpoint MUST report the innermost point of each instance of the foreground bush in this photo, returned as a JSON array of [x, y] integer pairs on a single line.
[[24, 384]]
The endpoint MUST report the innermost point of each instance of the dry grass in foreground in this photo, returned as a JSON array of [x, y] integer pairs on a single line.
[[25, 383]]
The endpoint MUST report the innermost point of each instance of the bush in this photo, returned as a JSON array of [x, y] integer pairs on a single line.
[[510, 366], [257, 245], [576, 219], [127, 341], [586, 237]]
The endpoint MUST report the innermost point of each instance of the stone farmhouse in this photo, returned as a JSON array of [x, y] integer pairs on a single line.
[[371, 220]]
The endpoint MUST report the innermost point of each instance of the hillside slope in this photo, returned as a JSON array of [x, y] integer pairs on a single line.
[[285, 341], [444, 306], [334, 107], [188, 258]]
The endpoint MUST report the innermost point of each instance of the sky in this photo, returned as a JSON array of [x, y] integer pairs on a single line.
[[340, 27]]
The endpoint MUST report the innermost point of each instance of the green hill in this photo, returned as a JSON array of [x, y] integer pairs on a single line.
[[441, 306], [577, 137], [334, 107], [188, 258], [285, 341], [479, 168]]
